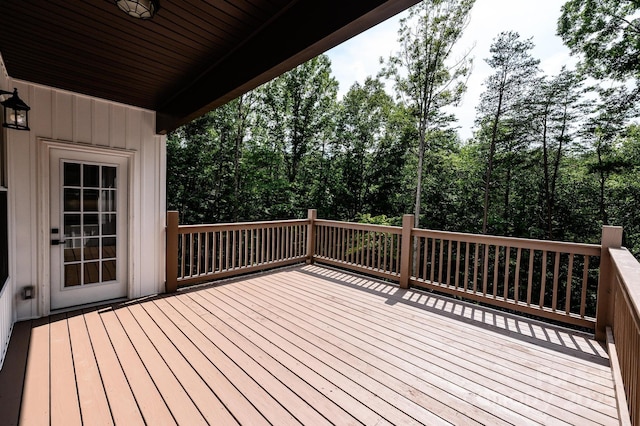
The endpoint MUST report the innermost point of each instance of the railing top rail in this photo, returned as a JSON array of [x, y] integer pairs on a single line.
[[560, 246], [185, 229], [361, 226], [628, 271]]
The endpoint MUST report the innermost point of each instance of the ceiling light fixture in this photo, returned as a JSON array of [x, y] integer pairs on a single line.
[[141, 9]]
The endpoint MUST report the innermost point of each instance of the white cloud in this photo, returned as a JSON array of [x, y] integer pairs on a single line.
[[357, 58]]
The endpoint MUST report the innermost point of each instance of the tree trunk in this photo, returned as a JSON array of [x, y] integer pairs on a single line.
[[603, 180], [492, 151], [236, 160], [545, 165], [507, 193]]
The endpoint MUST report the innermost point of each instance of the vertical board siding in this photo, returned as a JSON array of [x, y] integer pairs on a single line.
[[6, 319], [61, 116]]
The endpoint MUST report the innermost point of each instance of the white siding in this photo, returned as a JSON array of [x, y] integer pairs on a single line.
[[6, 320], [7, 315], [58, 115]]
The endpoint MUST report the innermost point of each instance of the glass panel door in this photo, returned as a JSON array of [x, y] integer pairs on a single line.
[[89, 201]]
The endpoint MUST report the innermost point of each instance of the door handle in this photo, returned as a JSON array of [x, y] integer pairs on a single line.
[[57, 242]]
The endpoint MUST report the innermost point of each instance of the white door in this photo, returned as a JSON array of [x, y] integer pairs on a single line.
[[88, 199]]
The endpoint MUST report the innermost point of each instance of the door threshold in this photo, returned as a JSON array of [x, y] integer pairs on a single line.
[[87, 305]]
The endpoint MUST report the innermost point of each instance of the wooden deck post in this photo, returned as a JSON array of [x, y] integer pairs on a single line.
[[172, 252], [611, 238], [405, 251], [312, 214]]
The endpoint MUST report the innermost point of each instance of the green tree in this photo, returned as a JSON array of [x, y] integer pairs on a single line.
[[555, 109], [363, 122], [295, 120], [424, 79], [514, 70], [606, 33]]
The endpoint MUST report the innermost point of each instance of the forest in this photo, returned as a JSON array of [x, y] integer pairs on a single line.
[[551, 156]]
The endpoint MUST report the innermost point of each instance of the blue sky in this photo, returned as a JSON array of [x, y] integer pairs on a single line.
[[358, 58]]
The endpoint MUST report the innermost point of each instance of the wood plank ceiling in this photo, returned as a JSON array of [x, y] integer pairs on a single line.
[[193, 56]]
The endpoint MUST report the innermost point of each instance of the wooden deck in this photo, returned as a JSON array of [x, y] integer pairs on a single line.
[[306, 345]]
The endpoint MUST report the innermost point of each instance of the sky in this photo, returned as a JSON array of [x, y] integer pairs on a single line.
[[359, 57]]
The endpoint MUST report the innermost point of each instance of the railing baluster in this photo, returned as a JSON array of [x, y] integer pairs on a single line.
[[507, 261], [384, 253], [543, 278], [465, 276], [475, 267], [432, 271], [425, 256], [532, 256], [334, 243], [485, 270], [585, 280], [449, 242], [183, 244], [201, 253], [233, 252], [206, 253], [366, 248], [567, 304], [496, 269], [516, 284], [398, 254], [556, 271], [457, 279], [246, 249]]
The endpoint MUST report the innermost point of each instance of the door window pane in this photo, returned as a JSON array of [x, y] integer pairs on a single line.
[[71, 200], [73, 250], [108, 247], [90, 200], [90, 228], [108, 201], [108, 224], [72, 275], [91, 272], [90, 176], [92, 248], [108, 177], [108, 270], [71, 174], [71, 225]]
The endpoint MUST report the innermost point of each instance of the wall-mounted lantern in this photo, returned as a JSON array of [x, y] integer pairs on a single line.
[[141, 9], [16, 112]]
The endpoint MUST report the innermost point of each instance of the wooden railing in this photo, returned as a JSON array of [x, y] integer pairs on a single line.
[[372, 249], [208, 252], [626, 328], [545, 278], [550, 279]]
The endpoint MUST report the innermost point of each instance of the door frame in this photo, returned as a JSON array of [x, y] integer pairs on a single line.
[[45, 146]]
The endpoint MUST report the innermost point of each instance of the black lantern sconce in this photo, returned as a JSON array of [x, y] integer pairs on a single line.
[[16, 112], [141, 9]]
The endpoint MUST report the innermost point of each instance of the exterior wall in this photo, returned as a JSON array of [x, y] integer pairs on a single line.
[[7, 312], [63, 116]]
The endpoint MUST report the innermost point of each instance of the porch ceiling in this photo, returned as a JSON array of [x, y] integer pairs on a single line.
[[193, 56]]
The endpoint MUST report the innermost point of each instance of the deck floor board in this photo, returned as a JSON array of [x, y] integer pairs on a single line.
[[462, 352], [304, 345]]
